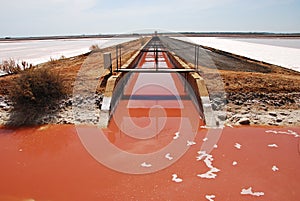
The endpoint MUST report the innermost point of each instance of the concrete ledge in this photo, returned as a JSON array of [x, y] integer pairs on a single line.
[[198, 85], [112, 82], [129, 62], [105, 107]]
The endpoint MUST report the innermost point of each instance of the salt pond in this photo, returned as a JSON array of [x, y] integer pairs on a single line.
[[39, 51], [281, 52]]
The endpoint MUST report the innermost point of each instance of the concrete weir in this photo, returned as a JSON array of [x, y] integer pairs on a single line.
[[149, 67]]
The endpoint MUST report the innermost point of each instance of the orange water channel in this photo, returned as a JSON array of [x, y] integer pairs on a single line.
[[147, 142]]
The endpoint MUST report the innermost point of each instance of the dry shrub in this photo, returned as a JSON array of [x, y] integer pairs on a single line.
[[35, 93], [53, 61], [12, 67], [94, 47]]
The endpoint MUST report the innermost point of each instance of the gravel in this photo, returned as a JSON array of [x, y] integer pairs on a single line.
[[86, 112], [233, 108], [276, 109]]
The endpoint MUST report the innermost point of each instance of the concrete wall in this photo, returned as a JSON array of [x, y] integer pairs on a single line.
[[198, 85], [109, 102], [194, 79]]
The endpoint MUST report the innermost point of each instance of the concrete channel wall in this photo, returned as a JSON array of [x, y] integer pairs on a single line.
[[198, 85], [182, 50], [109, 100]]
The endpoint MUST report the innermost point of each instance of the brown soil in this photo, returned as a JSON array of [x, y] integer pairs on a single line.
[[274, 82], [240, 74]]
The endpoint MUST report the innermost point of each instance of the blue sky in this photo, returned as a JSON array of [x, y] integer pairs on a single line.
[[62, 17]]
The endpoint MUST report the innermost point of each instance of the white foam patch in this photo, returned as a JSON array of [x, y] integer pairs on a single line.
[[146, 165], [177, 135], [275, 168], [288, 132], [176, 179], [190, 143], [211, 174], [238, 146], [210, 197], [168, 156], [250, 192], [234, 163], [273, 145]]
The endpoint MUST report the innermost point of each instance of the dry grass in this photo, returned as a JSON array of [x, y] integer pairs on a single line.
[[260, 82], [275, 80]]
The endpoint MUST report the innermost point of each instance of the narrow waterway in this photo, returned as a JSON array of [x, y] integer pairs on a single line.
[[154, 106]]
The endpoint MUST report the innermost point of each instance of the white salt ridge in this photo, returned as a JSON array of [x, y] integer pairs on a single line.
[[281, 56], [273, 145], [250, 192], [146, 165], [215, 146], [208, 161], [275, 168], [234, 163], [238, 146], [168, 156], [210, 197], [288, 132], [177, 134], [190, 143], [176, 179], [205, 139]]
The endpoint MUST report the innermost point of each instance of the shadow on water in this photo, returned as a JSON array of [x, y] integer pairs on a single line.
[[38, 140], [44, 139], [30, 116]]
